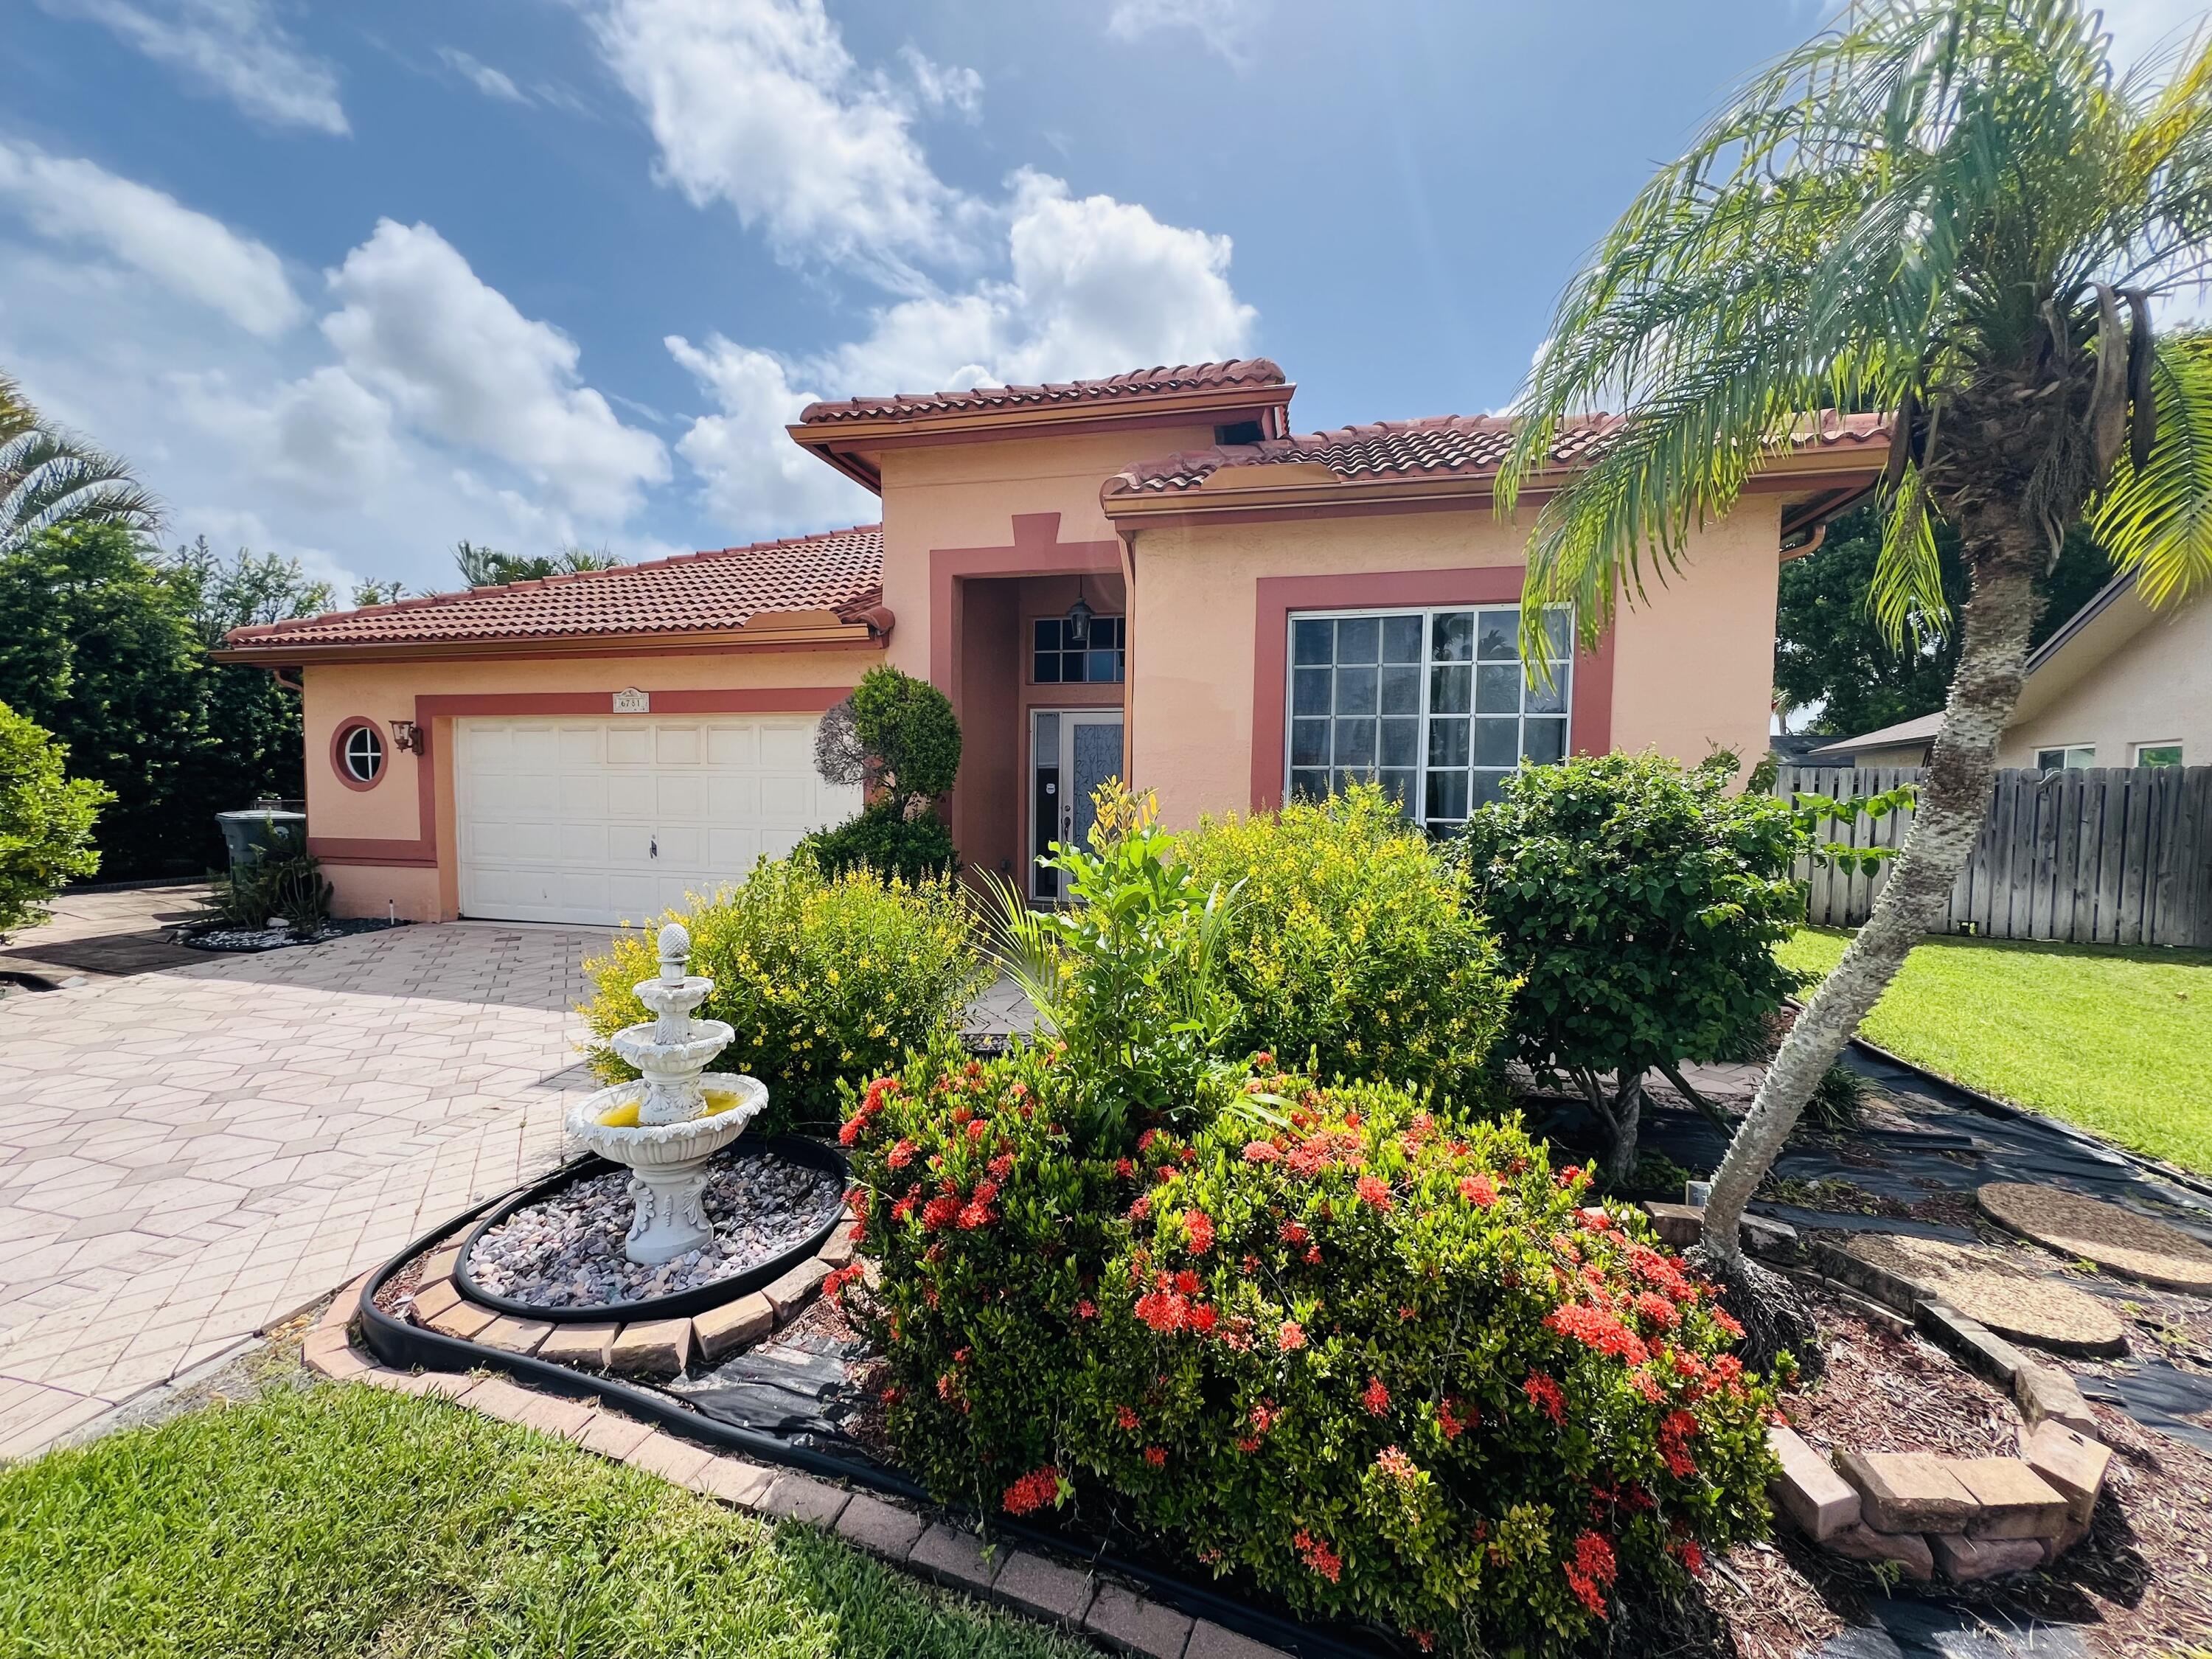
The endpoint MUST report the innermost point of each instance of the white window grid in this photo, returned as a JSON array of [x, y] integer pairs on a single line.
[[1494, 629], [364, 753]]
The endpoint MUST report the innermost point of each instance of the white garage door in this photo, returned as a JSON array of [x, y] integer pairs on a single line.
[[617, 820]]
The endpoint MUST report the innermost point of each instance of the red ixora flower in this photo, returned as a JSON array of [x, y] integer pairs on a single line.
[[1479, 1190], [1198, 1226], [1675, 1436], [1126, 1419], [1262, 1151], [1374, 1397], [1292, 1337], [1396, 1464], [901, 1154], [1033, 1491], [1591, 1572], [1156, 1456], [1317, 1555], [1449, 1421], [1542, 1391], [849, 1130], [1373, 1189], [939, 1212]]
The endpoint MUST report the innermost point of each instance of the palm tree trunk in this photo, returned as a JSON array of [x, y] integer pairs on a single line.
[[2001, 552]]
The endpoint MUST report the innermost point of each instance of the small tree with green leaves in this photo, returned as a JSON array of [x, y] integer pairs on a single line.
[[1643, 900], [47, 820], [898, 737]]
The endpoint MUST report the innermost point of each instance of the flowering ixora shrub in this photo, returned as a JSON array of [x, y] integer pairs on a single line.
[[1384, 1365], [821, 976]]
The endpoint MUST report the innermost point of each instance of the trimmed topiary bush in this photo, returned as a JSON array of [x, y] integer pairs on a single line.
[[1351, 943], [823, 977], [885, 839], [1382, 1366]]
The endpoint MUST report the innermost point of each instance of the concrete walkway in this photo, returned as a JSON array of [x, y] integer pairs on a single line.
[[190, 1154]]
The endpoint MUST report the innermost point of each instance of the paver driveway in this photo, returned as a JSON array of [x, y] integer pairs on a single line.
[[189, 1154]]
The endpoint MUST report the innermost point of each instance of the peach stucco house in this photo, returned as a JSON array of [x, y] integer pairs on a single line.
[[1267, 612]]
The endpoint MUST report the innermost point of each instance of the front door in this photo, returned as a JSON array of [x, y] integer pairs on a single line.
[[1072, 752]]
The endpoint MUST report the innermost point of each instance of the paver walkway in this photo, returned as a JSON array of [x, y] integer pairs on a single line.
[[189, 1154]]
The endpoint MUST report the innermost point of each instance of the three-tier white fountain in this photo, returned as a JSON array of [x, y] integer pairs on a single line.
[[666, 1126]]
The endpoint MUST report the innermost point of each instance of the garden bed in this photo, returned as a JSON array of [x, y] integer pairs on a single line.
[[224, 939]]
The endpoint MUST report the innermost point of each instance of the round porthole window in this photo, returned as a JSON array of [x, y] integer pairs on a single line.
[[359, 754]]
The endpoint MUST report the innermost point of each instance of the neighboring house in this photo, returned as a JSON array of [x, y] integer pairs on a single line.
[[2118, 685], [1258, 613]]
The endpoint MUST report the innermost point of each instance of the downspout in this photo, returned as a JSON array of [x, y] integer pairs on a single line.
[[278, 674], [1128, 540]]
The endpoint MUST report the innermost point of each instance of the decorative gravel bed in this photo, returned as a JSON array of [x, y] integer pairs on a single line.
[[566, 1251]]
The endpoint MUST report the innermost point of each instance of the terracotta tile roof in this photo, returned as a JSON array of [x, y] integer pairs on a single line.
[[840, 571], [1137, 382], [1445, 445]]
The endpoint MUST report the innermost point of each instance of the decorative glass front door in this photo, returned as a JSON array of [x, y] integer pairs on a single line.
[[1072, 752]]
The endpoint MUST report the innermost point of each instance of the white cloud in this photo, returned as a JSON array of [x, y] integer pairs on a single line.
[[455, 357], [234, 48], [758, 103], [1096, 286], [81, 204], [943, 86], [1224, 27], [492, 83], [752, 476]]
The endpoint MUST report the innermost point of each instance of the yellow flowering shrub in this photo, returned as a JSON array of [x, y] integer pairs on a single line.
[[821, 976], [1352, 945]]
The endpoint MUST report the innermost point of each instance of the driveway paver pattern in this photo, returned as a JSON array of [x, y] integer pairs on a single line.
[[188, 1155]]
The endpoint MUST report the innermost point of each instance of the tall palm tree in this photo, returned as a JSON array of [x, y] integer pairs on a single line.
[[1959, 212], [49, 478]]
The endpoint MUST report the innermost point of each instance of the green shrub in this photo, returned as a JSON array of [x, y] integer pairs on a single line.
[[1351, 943], [1387, 1368], [1127, 980], [885, 839], [823, 978], [46, 821], [1643, 901], [291, 889]]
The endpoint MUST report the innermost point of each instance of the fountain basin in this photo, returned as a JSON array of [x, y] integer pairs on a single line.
[[806, 1239], [664, 1159]]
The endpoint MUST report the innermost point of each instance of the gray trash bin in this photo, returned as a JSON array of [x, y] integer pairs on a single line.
[[250, 836]]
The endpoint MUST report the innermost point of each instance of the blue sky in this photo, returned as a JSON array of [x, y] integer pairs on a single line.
[[356, 282]]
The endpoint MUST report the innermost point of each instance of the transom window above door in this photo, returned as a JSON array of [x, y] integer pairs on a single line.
[[1057, 659], [1435, 705]]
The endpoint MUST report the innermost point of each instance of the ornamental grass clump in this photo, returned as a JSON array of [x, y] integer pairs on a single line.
[[1383, 1364], [1352, 947], [823, 977]]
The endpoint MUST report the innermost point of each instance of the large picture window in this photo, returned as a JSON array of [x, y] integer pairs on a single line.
[[1435, 705], [1056, 659]]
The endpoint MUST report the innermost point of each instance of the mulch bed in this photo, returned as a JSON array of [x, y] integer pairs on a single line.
[[2140, 1585]]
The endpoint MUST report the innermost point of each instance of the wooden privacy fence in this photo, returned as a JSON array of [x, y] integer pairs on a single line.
[[2105, 855]]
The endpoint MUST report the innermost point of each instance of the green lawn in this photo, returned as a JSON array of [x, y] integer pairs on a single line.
[[2114, 1040], [350, 1523]]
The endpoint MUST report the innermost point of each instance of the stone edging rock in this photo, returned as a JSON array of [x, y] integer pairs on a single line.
[[1974, 1517], [919, 1543]]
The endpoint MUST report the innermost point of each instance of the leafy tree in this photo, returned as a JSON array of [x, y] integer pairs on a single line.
[[253, 721], [98, 646], [378, 592], [51, 478], [1959, 212], [1829, 649], [1643, 901], [487, 567], [47, 820]]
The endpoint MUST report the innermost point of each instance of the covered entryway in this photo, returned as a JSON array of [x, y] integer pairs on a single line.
[[609, 820]]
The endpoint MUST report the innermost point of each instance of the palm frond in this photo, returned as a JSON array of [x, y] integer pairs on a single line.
[[1905, 593], [2157, 520], [50, 479]]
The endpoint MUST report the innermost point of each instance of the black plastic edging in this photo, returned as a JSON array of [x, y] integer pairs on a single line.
[[1991, 1106], [679, 1304], [402, 1346]]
